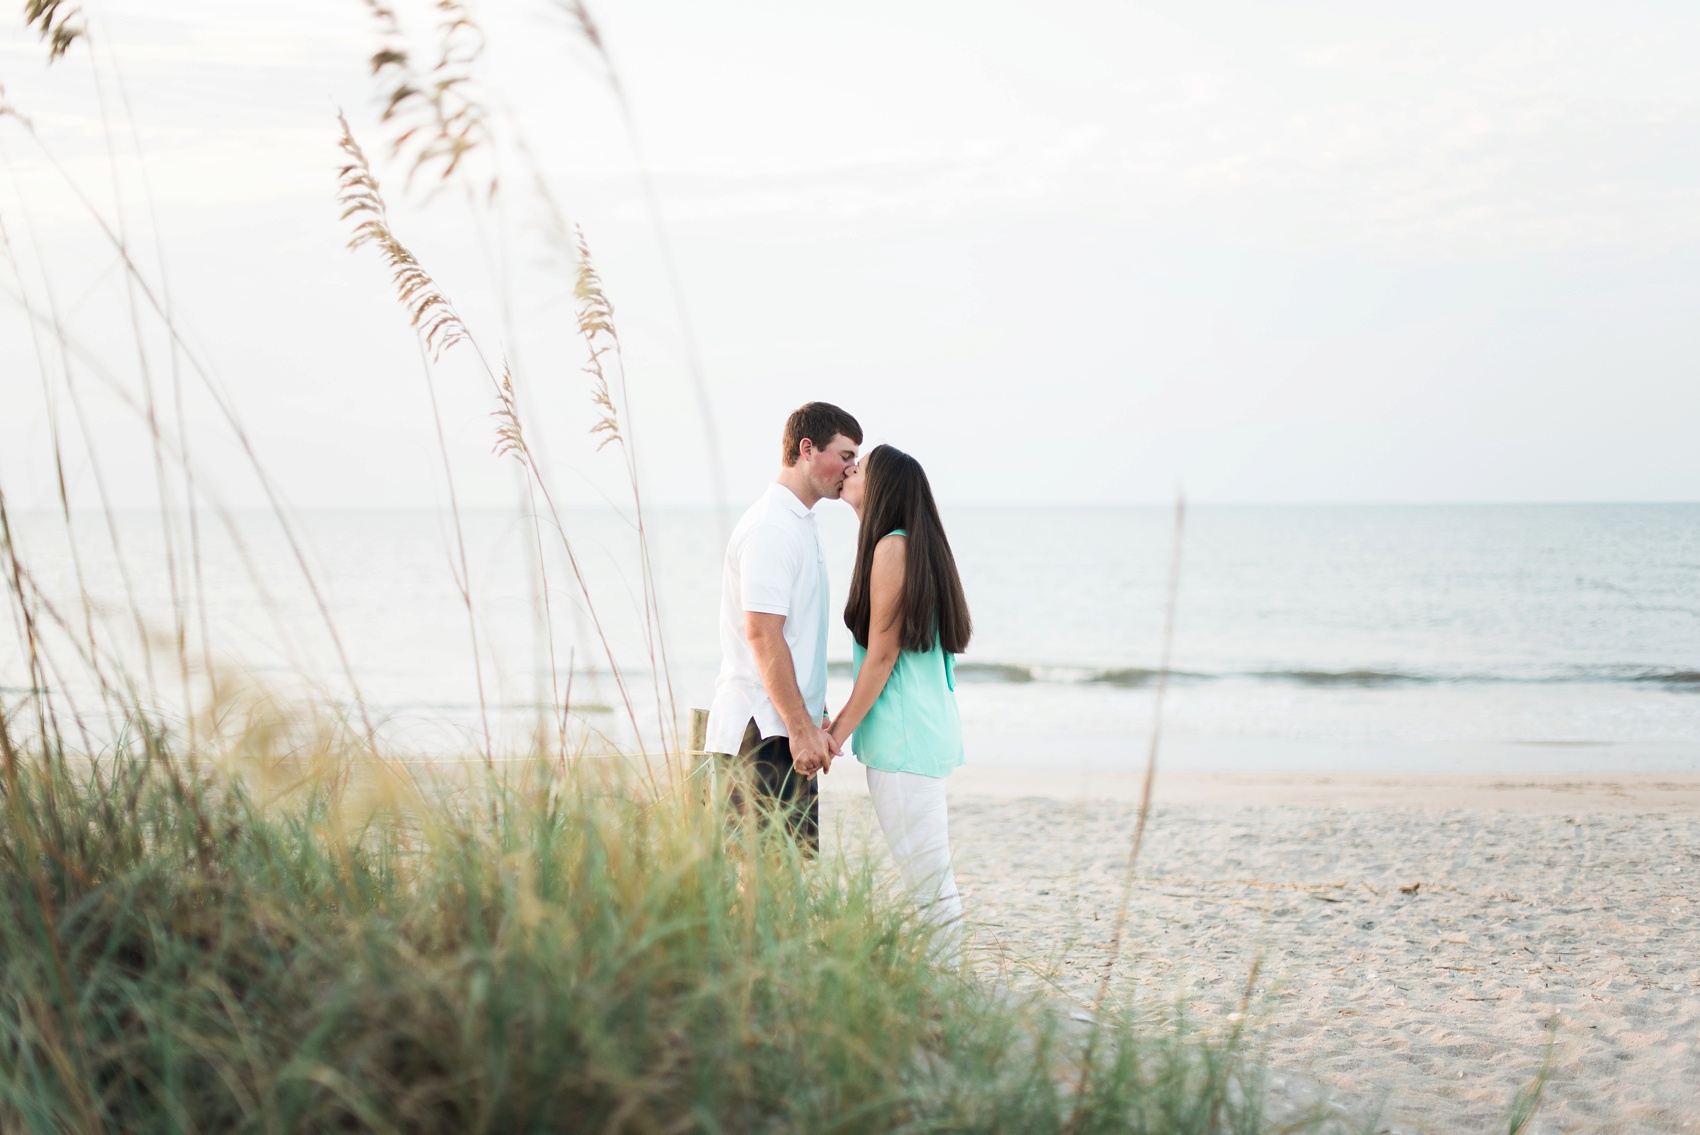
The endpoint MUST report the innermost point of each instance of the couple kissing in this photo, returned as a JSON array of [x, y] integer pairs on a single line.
[[908, 618]]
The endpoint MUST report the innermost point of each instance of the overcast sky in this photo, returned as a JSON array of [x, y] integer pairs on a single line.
[[1062, 252]]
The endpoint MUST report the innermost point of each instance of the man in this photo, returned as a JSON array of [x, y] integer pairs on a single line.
[[770, 697]]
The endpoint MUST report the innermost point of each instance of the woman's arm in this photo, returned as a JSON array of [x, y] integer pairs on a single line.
[[885, 586]]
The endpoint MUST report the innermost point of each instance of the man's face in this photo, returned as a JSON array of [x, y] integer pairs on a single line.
[[825, 467]]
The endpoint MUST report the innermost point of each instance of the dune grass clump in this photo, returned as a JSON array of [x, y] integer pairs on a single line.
[[306, 949]]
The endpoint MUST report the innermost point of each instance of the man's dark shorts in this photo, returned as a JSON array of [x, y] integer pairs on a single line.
[[765, 766]]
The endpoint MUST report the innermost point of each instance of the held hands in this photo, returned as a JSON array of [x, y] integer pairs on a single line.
[[812, 750]]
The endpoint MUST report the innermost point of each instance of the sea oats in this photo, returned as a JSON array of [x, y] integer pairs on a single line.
[[59, 23], [429, 310], [437, 112], [510, 435], [596, 325]]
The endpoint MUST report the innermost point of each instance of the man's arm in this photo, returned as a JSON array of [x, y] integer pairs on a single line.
[[812, 748]]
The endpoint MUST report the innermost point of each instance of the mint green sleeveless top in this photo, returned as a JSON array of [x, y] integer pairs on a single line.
[[914, 725]]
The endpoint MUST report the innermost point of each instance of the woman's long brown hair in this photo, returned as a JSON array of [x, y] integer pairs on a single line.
[[932, 607]]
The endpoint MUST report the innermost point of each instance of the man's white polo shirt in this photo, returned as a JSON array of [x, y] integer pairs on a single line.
[[775, 565]]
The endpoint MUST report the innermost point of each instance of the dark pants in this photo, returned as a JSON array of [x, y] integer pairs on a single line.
[[763, 769]]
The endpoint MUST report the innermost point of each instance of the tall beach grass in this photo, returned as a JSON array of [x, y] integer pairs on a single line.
[[324, 942]]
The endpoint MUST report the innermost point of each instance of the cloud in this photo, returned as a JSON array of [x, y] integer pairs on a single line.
[[1396, 140]]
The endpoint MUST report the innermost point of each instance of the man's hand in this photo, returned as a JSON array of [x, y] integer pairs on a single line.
[[812, 750]]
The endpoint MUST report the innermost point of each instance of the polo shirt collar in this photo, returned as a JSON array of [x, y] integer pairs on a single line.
[[797, 507]]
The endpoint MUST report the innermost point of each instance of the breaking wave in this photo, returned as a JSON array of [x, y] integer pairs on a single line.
[[1135, 677]]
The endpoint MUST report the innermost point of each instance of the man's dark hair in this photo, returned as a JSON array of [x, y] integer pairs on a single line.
[[819, 422], [932, 607]]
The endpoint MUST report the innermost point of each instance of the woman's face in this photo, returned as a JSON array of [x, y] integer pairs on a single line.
[[855, 482]]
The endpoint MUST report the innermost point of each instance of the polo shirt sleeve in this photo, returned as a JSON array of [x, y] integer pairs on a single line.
[[767, 569]]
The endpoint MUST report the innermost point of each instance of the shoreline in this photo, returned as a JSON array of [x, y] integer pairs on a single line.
[[1545, 794]]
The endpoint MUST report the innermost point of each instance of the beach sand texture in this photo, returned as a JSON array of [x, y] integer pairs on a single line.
[[1414, 953]]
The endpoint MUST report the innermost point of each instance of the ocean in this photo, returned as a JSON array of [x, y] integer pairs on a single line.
[[1396, 638]]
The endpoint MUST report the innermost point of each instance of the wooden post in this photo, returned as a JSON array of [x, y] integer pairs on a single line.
[[699, 731], [698, 760]]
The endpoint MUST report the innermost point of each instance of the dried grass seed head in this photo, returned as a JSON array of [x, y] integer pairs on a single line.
[[510, 436], [58, 22], [596, 325], [441, 117], [429, 311]]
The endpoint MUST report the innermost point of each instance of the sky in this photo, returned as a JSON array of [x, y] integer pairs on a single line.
[[1078, 252]]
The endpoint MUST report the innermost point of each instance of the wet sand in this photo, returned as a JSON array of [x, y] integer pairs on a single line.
[[1417, 935]]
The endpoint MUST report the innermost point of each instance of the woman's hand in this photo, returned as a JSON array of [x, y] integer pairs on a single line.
[[838, 736]]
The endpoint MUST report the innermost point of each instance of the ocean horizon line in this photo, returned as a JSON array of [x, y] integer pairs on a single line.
[[262, 509]]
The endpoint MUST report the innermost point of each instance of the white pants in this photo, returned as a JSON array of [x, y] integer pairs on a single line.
[[912, 814]]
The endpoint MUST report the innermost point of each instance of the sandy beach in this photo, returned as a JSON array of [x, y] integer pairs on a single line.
[[1418, 935]]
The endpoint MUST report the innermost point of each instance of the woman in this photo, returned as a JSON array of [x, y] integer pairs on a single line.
[[909, 619]]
